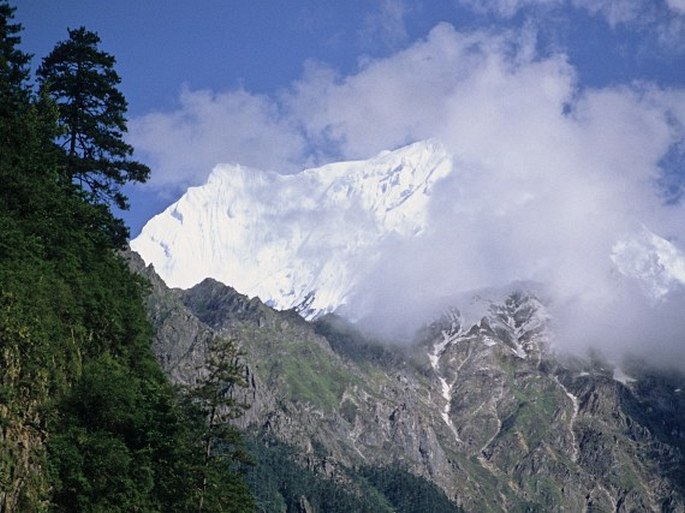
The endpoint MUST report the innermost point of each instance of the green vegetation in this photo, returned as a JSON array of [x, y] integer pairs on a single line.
[[406, 492], [312, 376], [349, 342], [88, 421], [213, 396], [281, 484], [297, 364]]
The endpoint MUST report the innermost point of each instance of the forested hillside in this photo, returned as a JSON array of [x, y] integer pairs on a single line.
[[88, 421]]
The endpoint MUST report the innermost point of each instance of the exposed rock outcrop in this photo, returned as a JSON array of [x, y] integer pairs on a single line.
[[485, 410]]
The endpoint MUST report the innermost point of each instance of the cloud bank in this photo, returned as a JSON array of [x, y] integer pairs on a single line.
[[548, 175], [208, 128]]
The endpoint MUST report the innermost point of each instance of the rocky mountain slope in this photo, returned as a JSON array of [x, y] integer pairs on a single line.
[[483, 407]]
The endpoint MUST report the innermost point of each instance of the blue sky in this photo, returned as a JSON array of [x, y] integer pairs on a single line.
[[285, 85]]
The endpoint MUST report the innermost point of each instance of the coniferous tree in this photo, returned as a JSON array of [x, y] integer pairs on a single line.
[[83, 82], [14, 72], [219, 487], [14, 64], [88, 421]]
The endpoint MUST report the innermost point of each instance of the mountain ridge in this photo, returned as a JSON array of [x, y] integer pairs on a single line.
[[322, 239], [485, 410], [297, 241], [481, 401]]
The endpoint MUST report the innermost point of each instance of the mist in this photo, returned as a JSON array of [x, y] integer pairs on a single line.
[[547, 191], [549, 181]]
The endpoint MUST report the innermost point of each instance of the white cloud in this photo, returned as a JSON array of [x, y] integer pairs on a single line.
[[407, 97], [664, 19], [207, 128], [506, 8], [548, 177], [540, 192], [616, 11], [537, 195], [671, 33], [387, 24]]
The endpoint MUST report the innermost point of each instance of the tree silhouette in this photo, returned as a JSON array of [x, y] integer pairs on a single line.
[[82, 81]]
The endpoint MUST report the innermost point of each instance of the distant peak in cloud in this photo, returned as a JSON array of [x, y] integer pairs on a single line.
[[298, 241], [549, 179], [394, 237], [656, 263]]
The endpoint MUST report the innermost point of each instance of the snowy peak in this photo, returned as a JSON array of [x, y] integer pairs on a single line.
[[312, 240], [296, 241], [394, 186], [657, 264]]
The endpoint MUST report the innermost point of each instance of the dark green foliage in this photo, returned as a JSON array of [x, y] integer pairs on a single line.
[[280, 484], [408, 493], [123, 443], [101, 451], [220, 443], [346, 340], [14, 65], [88, 421], [82, 81]]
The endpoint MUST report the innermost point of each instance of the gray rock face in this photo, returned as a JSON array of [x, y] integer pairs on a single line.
[[485, 410]]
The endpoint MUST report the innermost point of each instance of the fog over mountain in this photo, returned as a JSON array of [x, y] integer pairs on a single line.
[[576, 188], [390, 241]]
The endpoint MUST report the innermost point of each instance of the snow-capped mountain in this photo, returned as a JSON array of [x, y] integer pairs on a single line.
[[296, 241], [309, 240], [657, 264]]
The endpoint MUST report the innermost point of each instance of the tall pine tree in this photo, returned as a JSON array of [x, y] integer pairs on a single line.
[[14, 64], [83, 82], [14, 72], [220, 487], [88, 421]]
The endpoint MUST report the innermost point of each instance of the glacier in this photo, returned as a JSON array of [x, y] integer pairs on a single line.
[[296, 241], [308, 241]]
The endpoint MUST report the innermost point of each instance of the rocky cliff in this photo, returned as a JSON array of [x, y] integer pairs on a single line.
[[484, 408]]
